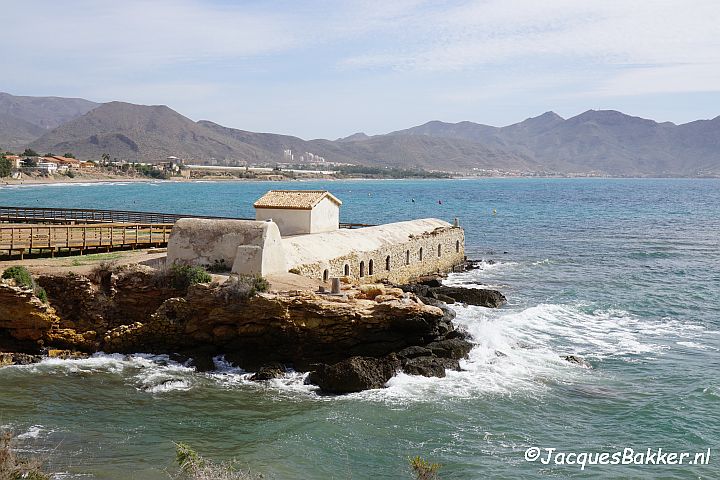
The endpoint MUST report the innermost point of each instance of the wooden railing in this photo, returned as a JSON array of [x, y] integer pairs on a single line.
[[10, 214], [86, 215], [28, 239]]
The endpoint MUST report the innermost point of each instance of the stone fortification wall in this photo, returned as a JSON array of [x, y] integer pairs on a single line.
[[396, 252], [249, 247]]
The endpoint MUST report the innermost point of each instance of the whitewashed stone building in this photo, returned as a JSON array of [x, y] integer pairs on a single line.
[[298, 232], [298, 212]]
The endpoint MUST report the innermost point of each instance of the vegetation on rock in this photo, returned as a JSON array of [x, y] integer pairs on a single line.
[[424, 470], [180, 276], [14, 468], [194, 467], [23, 278], [243, 287], [20, 274]]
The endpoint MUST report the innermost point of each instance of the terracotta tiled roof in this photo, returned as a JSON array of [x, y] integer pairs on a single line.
[[294, 199], [64, 160]]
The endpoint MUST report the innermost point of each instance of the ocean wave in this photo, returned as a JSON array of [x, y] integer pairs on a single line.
[[516, 351]]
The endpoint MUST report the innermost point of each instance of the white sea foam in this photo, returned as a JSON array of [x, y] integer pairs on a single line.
[[32, 432], [517, 351]]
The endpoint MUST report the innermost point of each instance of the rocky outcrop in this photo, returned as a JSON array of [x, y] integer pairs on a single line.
[[24, 319], [577, 360], [295, 329], [350, 342], [354, 374], [13, 358], [482, 297]]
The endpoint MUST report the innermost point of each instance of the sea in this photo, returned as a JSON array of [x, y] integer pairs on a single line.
[[624, 273]]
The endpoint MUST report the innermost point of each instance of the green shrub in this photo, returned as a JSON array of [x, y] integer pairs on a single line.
[[239, 288], [21, 276], [424, 470], [41, 294], [185, 275], [180, 276]]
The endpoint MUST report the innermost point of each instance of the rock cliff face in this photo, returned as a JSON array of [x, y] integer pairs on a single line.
[[24, 319], [351, 342]]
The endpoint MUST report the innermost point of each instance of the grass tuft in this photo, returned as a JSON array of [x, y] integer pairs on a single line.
[[194, 467], [14, 468]]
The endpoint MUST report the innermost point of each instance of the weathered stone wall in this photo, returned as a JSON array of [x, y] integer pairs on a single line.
[[249, 247], [403, 259]]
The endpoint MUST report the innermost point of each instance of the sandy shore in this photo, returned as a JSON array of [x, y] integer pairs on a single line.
[[78, 179]]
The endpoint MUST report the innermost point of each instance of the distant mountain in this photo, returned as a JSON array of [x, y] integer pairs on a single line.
[[603, 141], [596, 141], [142, 133], [23, 119]]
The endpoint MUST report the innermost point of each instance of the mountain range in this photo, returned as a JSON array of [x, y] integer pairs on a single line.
[[596, 141]]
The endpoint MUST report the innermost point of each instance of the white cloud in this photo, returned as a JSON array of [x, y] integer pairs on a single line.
[[563, 34], [139, 34]]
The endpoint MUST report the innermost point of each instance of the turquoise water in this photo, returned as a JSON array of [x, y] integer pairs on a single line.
[[625, 273]]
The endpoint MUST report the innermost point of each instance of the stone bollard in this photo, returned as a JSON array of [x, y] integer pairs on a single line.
[[335, 288]]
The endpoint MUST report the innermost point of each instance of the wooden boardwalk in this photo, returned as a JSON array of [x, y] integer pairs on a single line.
[[87, 215], [47, 231], [50, 239], [44, 215]]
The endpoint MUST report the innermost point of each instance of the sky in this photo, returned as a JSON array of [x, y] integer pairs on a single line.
[[330, 68]]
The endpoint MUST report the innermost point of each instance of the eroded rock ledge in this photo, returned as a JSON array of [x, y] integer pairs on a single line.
[[350, 342]]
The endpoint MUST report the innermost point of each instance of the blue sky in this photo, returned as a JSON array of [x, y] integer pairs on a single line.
[[326, 69]]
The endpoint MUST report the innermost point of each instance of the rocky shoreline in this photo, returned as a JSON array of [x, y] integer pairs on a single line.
[[349, 342]]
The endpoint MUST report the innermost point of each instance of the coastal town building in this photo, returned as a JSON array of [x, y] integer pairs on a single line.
[[47, 167], [395, 252]]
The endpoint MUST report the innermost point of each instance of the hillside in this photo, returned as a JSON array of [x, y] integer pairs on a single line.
[[23, 119], [142, 133], [602, 141]]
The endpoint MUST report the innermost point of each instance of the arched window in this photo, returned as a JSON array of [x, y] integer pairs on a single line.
[[420, 254], [387, 263], [370, 267], [362, 268], [407, 257], [326, 275], [346, 270], [457, 246], [439, 250]]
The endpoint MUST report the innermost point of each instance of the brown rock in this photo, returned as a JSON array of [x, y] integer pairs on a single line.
[[354, 374]]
